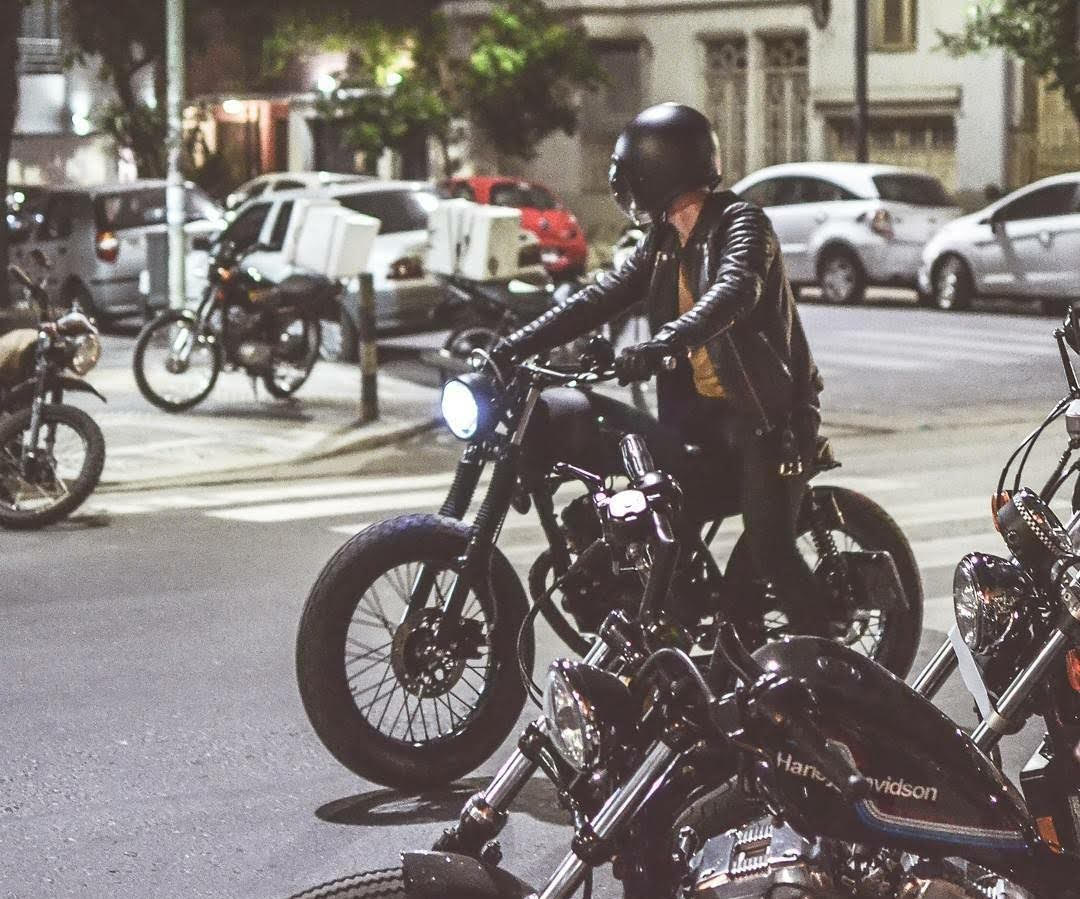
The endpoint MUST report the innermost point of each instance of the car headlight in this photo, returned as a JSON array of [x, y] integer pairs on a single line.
[[586, 709], [468, 406], [86, 354], [988, 595]]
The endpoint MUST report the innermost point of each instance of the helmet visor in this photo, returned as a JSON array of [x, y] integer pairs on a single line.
[[624, 196]]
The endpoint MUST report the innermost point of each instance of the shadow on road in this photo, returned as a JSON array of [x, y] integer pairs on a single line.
[[389, 807]]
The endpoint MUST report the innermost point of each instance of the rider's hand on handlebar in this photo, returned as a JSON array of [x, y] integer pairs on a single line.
[[641, 361]]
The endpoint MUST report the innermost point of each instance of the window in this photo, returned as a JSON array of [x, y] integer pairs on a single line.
[[256, 188], [605, 112], [522, 196], [245, 230], [57, 223], [764, 193], [915, 190], [141, 208], [1055, 199], [787, 90], [398, 210], [892, 24], [288, 184], [726, 83], [817, 190], [464, 192], [281, 225]]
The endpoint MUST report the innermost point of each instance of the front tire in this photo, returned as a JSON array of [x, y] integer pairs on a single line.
[[470, 708], [385, 884], [164, 387], [47, 494], [953, 287], [890, 638], [841, 278]]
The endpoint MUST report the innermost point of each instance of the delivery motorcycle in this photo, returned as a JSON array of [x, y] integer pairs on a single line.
[[51, 453], [407, 645], [848, 783], [271, 331]]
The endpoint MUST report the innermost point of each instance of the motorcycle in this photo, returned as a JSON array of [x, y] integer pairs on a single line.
[[849, 783], [406, 650], [51, 453], [270, 331]]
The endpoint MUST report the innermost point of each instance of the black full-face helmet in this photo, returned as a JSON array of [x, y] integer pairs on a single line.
[[666, 151]]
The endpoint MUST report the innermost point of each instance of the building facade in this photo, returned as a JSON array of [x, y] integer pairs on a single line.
[[776, 77]]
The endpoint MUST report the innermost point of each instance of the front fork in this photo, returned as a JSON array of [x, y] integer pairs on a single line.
[[31, 435]]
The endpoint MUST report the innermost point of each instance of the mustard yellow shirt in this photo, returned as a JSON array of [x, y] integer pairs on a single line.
[[706, 381]]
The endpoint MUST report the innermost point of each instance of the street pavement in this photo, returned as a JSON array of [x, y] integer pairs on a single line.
[[153, 741]]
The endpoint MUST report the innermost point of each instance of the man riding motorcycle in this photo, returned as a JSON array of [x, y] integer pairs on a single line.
[[745, 387]]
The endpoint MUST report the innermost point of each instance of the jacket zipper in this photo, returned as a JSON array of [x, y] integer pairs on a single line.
[[764, 419]]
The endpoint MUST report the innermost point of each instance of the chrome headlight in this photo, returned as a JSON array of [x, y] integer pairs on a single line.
[[468, 406], [87, 352], [585, 708], [988, 595]]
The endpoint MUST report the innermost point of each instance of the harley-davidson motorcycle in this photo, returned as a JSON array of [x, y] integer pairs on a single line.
[[849, 783], [271, 331], [51, 453], [408, 643]]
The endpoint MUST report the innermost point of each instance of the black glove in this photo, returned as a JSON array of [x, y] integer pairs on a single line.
[[641, 361]]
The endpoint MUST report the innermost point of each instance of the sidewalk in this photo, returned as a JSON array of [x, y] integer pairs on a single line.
[[237, 434]]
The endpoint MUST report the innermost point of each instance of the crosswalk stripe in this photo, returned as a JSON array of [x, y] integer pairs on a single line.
[[1011, 345], [330, 506], [869, 360]]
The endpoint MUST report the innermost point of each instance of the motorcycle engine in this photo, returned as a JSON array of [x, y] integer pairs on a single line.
[[243, 328], [759, 860]]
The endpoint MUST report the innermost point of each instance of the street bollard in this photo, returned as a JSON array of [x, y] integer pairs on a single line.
[[369, 356]]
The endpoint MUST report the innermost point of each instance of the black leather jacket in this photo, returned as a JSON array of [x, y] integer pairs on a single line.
[[745, 312]]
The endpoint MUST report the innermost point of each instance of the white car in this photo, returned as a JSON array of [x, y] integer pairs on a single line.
[[278, 181], [845, 226], [1025, 245], [406, 296]]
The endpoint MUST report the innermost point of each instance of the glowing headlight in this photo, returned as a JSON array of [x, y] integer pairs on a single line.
[[86, 355], [585, 709], [988, 591], [467, 406]]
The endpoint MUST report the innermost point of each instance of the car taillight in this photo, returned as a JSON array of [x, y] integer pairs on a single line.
[[406, 267], [107, 246], [882, 224]]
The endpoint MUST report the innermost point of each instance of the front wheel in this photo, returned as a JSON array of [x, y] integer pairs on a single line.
[[953, 285], [841, 278], [888, 636], [61, 470], [388, 694], [176, 362], [385, 884]]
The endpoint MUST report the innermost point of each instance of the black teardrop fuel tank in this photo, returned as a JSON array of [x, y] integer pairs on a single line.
[[932, 791]]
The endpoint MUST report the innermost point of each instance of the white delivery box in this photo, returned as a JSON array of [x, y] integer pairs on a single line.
[[300, 210], [335, 241], [472, 241]]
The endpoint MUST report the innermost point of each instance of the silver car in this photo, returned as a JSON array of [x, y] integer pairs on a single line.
[[1025, 245], [845, 226], [95, 238]]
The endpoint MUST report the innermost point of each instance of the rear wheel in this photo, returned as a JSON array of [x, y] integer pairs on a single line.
[[66, 466], [389, 698], [176, 362], [888, 636], [296, 350]]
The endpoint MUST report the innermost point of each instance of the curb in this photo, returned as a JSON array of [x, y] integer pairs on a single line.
[[344, 443]]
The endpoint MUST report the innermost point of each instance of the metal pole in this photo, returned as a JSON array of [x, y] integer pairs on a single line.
[[369, 358], [862, 103], [174, 192]]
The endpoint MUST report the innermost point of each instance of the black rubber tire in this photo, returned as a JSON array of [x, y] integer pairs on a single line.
[[874, 529], [13, 425], [388, 883], [320, 656], [282, 393], [858, 288], [964, 290], [162, 321]]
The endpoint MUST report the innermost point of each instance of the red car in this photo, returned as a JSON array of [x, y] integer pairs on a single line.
[[562, 242]]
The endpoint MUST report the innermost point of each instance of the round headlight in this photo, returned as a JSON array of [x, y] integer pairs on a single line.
[[468, 404], [988, 594], [86, 353], [585, 709]]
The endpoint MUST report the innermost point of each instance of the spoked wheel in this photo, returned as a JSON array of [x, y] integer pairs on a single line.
[[391, 697], [295, 352], [176, 363], [888, 636], [57, 475]]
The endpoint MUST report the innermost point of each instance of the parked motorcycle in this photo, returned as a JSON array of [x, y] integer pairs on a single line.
[[407, 645], [849, 783], [270, 331], [51, 453]]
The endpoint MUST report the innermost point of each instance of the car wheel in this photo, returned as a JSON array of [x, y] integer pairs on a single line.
[[841, 278], [953, 287], [77, 292]]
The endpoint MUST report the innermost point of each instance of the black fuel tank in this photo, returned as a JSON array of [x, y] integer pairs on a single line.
[[932, 790]]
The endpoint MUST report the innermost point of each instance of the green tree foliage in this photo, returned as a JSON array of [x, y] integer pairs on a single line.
[[1043, 33]]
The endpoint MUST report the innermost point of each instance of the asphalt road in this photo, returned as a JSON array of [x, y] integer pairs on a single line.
[[153, 743]]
